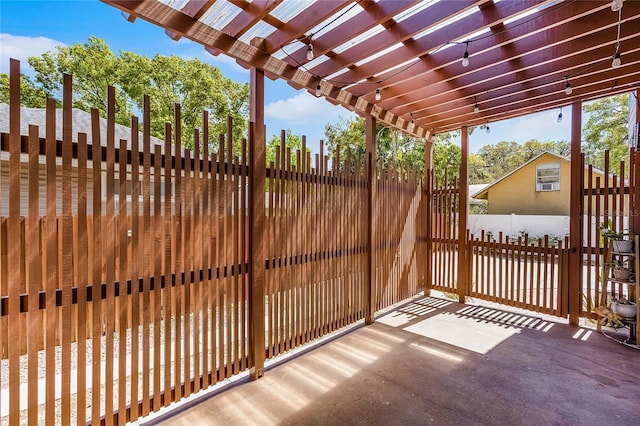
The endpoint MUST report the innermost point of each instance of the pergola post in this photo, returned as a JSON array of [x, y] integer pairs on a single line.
[[575, 216], [257, 172], [427, 217], [370, 134], [634, 179], [462, 213]]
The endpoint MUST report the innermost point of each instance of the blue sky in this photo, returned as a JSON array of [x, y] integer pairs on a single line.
[[30, 28]]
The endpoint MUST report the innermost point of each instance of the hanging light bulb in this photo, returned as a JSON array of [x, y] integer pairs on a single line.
[[310, 52], [488, 129], [411, 125], [559, 120], [318, 92], [616, 60], [465, 57], [378, 94], [476, 109], [567, 87], [616, 5]]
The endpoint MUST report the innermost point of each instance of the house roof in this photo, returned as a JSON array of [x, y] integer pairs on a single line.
[[482, 194], [476, 188], [521, 53], [81, 124]]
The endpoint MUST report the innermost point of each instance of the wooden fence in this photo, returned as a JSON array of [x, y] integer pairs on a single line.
[[521, 273], [533, 273], [115, 308]]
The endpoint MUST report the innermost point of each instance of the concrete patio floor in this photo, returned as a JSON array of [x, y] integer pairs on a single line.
[[434, 361]]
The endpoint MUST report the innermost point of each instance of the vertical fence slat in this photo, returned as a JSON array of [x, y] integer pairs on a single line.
[[97, 263], [167, 306], [67, 278], [33, 275], [82, 294]]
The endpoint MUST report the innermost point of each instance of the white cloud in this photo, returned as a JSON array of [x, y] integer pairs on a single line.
[[21, 47], [303, 109]]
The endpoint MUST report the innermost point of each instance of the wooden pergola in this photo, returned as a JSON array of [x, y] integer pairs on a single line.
[[209, 279], [521, 54], [424, 67]]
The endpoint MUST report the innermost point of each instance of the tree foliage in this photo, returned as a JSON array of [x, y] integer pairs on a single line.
[[166, 79], [492, 162], [31, 95], [292, 142], [606, 129], [394, 149]]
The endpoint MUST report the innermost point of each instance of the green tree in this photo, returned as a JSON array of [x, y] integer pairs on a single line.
[[192, 84], [93, 66], [606, 129], [446, 157], [167, 80], [393, 149], [479, 170], [292, 141], [31, 96], [532, 148]]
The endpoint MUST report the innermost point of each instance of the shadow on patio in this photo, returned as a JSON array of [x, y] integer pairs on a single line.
[[436, 361]]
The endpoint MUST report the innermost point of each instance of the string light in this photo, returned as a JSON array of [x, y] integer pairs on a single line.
[[567, 87], [616, 5], [616, 57], [412, 123], [487, 127], [465, 57], [616, 60], [318, 90], [476, 108], [378, 94], [310, 52], [559, 120]]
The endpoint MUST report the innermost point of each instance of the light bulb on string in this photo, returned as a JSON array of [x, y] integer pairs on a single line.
[[616, 5], [616, 60], [476, 109], [465, 57], [567, 87], [488, 129], [310, 52], [559, 120], [318, 90], [378, 94]]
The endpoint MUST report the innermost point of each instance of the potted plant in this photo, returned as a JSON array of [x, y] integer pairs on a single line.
[[618, 242], [624, 308], [620, 270]]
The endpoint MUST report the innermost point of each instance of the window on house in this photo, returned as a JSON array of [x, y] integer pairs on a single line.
[[548, 177]]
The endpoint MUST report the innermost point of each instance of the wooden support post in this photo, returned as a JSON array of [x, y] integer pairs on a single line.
[[370, 132], [257, 173], [574, 279], [634, 164], [428, 193], [462, 214]]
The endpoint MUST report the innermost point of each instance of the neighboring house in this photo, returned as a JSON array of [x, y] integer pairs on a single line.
[[81, 123], [541, 186]]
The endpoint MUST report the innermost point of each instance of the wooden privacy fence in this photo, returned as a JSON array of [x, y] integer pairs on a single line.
[[533, 273], [521, 273], [132, 290]]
